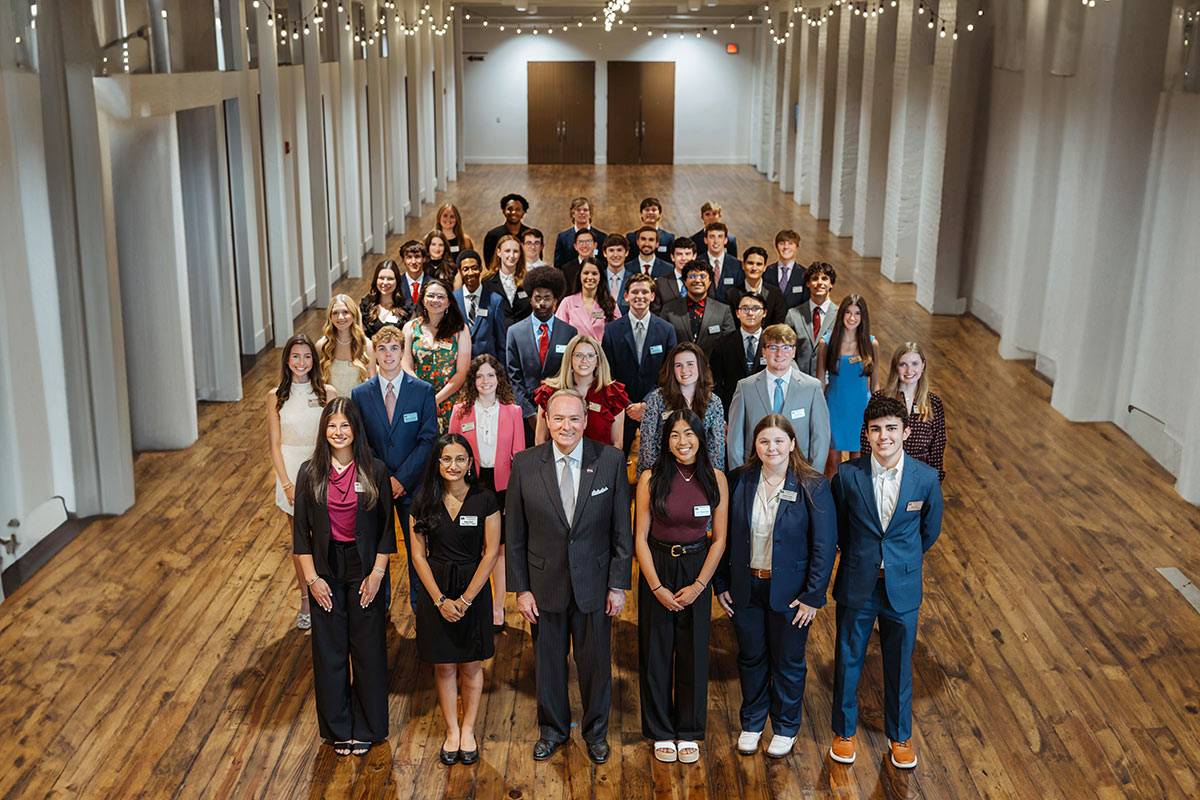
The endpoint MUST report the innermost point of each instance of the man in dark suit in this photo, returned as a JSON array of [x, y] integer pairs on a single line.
[[645, 254], [535, 345], [615, 274], [785, 272], [581, 218], [739, 354], [753, 263], [711, 212], [514, 207], [414, 257], [482, 308], [585, 247], [569, 558], [671, 286], [400, 418], [697, 317], [636, 345], [727, 270], [651, 214], [889, 510]]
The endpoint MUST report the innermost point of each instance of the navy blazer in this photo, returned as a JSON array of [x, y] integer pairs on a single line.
[[730, 244], [796, 291], [664, 241], [802, 549], [491, 323], [374, 528], [564, 246], [625, 276], [640, 379], [403, 444], [525, 370], [731, 275], [658, 268], [913, 529]]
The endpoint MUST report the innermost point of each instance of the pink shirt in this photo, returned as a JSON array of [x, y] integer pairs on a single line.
[[571, 311], [343, 504]]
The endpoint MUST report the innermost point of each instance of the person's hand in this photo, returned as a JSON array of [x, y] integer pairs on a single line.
[[663, 595], [527, 606], [804, 614], [452, 610], [688, 594], [726, 602], [615, 602], [369, 588], [397, 489], [289, 492], [319, 590], [634, 412]]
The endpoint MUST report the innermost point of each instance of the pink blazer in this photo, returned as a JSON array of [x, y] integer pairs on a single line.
[[510, 439], [572, 312]]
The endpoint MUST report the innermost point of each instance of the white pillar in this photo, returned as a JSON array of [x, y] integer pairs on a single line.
[[374, 113], [397, 67], [349, 177], [807, 101], [874, 128], [823, 113], [787, 114], [843, 172], [315, 226]]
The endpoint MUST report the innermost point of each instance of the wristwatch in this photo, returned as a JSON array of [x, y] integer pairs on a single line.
[[439, 601]]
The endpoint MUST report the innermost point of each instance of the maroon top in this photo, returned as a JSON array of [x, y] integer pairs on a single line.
[[683, 524], [926, 440], [343, 504], [603, 407]]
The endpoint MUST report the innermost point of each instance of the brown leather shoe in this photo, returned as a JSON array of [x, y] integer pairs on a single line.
[[903, 755], [842, 749]]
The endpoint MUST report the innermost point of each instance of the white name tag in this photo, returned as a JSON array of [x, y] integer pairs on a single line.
[[788, 494], [410, 416], [714, 328], [522, 294], [701, 511], [915, 505], [762, 360], [593, 406], [481, 312], [560, 348], [797, 289], [358, 487], [655, 349], [797, 413], [727, 281], [314, 402], [597, 315], [601, 490], [468, 522], [468, 426]]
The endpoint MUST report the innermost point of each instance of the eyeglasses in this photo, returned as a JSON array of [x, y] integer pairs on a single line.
[[461, 461], [584, 356], [755, 309], [779, 348]]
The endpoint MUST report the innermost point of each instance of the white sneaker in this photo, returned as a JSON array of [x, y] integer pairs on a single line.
[[747, 743], [780, 746]]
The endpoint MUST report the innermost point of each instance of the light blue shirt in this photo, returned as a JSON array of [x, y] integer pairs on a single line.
[[537, 326]]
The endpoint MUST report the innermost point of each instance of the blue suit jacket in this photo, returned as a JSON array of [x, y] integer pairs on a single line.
[[491, 328], [664, 242], [731, 275], [619, 348], [913, 529], [525, 370], [795, 293], [802, 551], [564, 246], [405, 443], [660, 268]]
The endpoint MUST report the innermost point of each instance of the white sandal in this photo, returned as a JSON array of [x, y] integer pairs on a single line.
[[666, 752], [689, 752], [304, 621]]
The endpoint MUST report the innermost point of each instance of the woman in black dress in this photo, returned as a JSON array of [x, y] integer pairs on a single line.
[[455, 527]]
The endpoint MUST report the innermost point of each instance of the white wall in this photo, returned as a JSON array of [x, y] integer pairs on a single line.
[[707, 79]]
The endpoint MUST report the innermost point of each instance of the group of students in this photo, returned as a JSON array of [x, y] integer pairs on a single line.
[[457, 379]]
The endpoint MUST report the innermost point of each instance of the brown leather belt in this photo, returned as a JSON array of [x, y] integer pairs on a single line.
[[760, 573], [881, 574]]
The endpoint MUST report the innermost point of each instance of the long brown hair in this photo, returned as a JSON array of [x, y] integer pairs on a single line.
[[797, 463], [469, 394], [459, 236], [604, 297], [452, 319], [371, 301], [316, 378], [921, 408], [358, 338], [862, 339], [494, 265], [321, 463], [668, 386], [447, 266]]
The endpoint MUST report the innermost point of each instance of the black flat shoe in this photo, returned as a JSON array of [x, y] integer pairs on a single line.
[[497, 628], [544, 749], [468, 756], [450, 757], [360, 749], [599, 751], [342, 749]]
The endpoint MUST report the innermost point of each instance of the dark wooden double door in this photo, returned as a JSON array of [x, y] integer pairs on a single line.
[[562, 112], [641, 112]]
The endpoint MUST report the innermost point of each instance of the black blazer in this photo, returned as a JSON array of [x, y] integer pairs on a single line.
[[519, 309], [559, 559], [564, 245], [776, 310], [374, 528], [796, 292], [492, 238], [728, 363]]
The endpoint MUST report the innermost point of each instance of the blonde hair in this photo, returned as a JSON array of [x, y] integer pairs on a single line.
[[565, 379], [921, 408], [711, 205], [779, 334], [358, 338]]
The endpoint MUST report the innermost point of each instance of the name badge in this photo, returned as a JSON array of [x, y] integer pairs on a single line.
[[468, 522], [655, 349], [701, 511], [522, 294], [411, 416], [727, 281], [314, 402], [468, 426], [854, 359], [666, 414], [597, 315], [560, 348], [358, 488], [714, 328], [762, 360], [797, 289], [915, 505], [788, 494], [481, 312], [797, 413], [593, 406]]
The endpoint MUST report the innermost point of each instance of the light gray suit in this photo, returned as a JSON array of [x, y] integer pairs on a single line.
[[798, 319], [803, 406]]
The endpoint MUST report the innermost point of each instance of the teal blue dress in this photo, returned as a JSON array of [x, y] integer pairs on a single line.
[[846, 393]]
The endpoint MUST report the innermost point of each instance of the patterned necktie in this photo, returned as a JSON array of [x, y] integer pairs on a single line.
[[784, 274], [566, 490], [471, 312], [777, 406], [751, 349], [389, 401], [816, 322], [695, 315], [543, 342]]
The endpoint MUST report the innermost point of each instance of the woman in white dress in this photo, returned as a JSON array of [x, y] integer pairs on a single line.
[[347, 358], [293, 418]]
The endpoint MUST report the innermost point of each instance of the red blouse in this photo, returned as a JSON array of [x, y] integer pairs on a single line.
[[603, 407], [343, 503]]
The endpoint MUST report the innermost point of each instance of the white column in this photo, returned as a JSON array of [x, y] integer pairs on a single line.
[[825, 96], [377, 174], [787, 116], [806, 97], [349, 177], [398, 142], [843, 173], [770, 166], [428, 109], [874, 129], [315, 227]]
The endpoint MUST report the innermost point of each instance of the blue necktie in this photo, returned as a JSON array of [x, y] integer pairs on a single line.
[[778, 405]]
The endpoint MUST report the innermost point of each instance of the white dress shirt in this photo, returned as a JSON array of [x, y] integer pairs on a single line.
[[509, 283], [394, 382], [477, 294], [886, 483], [646, 265], [825, 307], [781, 268], [757, 338], [762, 523], [575, 461], [487, 428]]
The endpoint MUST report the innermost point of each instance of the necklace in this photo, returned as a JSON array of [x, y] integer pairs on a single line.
[[771, 483], [342, 341], [686, 478]]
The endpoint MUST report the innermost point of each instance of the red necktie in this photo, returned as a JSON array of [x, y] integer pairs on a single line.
[[816, 322], [543, 342], [416, 292]]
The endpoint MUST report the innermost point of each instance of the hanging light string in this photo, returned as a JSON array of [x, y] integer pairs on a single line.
[[563, 24], [316, 18]]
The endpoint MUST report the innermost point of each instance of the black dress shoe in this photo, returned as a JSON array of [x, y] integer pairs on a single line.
[[497, 629], [599, 751], [450, 757], [468, 756], [544, 749]]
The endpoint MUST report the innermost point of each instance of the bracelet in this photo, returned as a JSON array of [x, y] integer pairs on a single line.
[[314, 579], [655, 589], [703, 584], [380, 570], [463, 599]]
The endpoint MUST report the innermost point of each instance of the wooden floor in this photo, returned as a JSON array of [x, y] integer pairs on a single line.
[[157, 657]]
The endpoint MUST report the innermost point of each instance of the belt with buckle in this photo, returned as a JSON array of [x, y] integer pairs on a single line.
[[675, 550], [760, 573]]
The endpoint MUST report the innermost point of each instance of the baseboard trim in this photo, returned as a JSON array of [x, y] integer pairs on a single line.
[[40, 554]]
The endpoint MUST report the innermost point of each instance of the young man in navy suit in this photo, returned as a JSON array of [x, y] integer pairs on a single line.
[[711, 212], [581, 219], [414, 257], [636, 363], [671, 286], [535, 345], [645, 254], [889, 509], [786, 273], [401, 422], [482, 309], [615, 273], [727, 270], [651, 214]]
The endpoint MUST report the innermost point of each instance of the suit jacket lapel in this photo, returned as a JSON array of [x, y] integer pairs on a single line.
[[376, 399], [550, 479], [748, 486], [790, 483], [764, 390], [908, 489], [470, 433], [866, 487], [401, 397], [587, 476]]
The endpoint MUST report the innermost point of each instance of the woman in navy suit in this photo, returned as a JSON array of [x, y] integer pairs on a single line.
[[773, 578]]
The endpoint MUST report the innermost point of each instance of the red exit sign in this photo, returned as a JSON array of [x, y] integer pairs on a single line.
[[731, 49]]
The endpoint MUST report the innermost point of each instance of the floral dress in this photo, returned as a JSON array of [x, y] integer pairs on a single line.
[[435, 365]]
